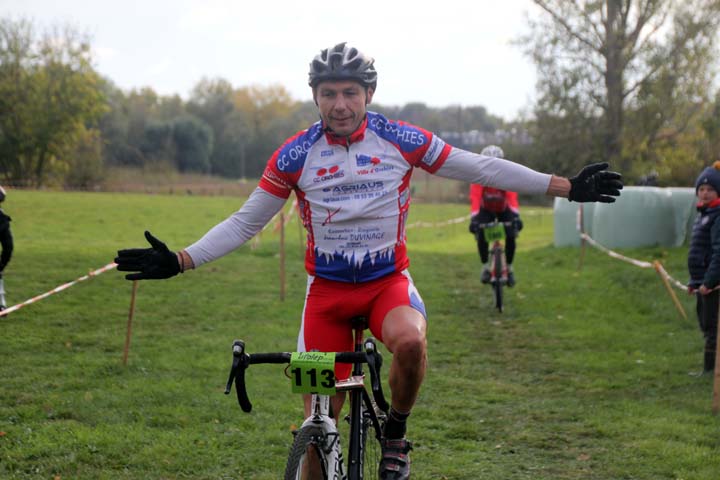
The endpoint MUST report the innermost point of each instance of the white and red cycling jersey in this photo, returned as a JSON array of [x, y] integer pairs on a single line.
[[354, 195]]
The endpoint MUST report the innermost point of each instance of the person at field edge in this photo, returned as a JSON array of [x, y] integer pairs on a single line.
[[704, 260], [350, 173], [488, 204], [6, 241]]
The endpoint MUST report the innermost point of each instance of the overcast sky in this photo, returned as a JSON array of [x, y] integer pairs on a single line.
[[439, 53]]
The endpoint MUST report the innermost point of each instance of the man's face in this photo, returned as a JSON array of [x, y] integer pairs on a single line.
[[342, 105]]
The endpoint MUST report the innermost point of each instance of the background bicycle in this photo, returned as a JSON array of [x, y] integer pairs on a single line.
[[494, 233], [317, 445]]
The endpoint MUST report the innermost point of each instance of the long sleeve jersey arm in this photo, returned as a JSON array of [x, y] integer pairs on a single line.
[[493, 172], [237, 229]]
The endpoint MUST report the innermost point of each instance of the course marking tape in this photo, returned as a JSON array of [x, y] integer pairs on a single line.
[[638, 263], [60, 288], [664, 273], [439, 224]]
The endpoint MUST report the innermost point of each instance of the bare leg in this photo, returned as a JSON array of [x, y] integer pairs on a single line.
[[404, 330]]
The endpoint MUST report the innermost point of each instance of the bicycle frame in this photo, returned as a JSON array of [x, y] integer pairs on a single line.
[[364, 409], [494, 233]]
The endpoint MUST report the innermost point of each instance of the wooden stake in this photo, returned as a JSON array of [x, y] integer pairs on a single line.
[[282, 256], [129, 323], [581, 229], [678, 306], [716, 376]]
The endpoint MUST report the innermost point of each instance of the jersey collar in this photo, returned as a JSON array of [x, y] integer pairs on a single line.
[[354, 137]]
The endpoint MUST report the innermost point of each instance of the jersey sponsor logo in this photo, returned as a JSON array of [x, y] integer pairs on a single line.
[[367, 235], [327, 153], [356, 191], [370, 164], [363, 187], [363, 160], [291, 157], [378, 169], [323, 174], [433, 152], [341, 198], [407, 136], [273, 178]]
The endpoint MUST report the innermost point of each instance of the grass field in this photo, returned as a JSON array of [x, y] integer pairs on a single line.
[[583, 377]]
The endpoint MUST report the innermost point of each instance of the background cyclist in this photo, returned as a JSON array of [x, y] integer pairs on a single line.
[[351, 173], [488, 204]]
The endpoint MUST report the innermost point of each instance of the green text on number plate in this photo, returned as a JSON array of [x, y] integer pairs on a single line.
[[313, 372], [496, 232]]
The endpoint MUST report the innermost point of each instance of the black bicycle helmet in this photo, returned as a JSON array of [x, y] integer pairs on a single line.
[[342, 63]]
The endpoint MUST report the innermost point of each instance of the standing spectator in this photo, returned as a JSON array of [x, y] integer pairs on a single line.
[[6, 241], [704, 259]]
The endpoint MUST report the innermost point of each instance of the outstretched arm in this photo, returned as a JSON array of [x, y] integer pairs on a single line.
[[237, 229], [493, 172], [594, 183], [159, 262]]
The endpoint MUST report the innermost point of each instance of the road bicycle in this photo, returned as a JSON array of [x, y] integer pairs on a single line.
[[494, 233], [317, 441]]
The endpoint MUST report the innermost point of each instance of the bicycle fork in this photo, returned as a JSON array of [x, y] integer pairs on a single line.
[[498, 252], [329, 440]]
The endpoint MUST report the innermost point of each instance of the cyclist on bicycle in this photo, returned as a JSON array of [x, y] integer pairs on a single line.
[[488, 204], [350, 172]]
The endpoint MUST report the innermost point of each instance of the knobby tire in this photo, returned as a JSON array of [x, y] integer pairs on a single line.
[[371, 451], [497, 286], [302, 446]]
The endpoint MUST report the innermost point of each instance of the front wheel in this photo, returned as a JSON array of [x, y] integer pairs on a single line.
[[371, 451], [498, 285], [306, 455]]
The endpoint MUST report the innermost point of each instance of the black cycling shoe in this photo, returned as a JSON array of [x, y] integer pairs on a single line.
[[511, 278], [485, 275], [395, 463]]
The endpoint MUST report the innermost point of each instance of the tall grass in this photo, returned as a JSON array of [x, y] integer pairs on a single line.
[[584, 376]]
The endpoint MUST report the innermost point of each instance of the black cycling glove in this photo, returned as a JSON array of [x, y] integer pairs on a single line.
[[474, 220], [595, 184], [153, 263]]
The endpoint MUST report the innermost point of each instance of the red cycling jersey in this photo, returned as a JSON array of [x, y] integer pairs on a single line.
[[492, 199]]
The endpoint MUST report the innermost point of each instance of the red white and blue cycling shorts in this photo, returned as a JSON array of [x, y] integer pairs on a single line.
[[330, 305]]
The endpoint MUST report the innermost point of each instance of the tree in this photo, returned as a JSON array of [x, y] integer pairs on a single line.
[[604, 58], [85, 166], [212, 101], [49, 94], [194, 142], [265, 109]]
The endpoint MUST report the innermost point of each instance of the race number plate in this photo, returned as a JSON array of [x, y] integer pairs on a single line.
[[496, 232], [313, 372]]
